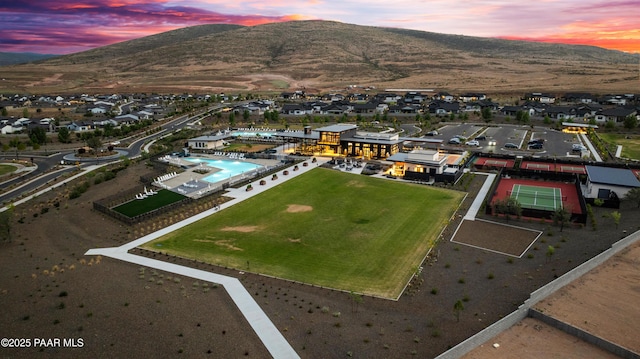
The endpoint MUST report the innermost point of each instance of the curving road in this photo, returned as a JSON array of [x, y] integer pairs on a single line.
[[44, 175]]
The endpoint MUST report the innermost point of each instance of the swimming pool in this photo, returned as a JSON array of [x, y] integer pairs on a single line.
[[228, 168], [252, 134]]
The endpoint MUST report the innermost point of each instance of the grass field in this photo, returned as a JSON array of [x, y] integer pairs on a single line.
[[138, 207], [4, 169], [324, 227], [630, 146]]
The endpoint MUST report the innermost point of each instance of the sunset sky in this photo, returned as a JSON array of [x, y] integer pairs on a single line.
[[62, 26]]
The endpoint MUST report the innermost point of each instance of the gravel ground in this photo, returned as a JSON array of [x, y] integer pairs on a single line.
[[48, 289]]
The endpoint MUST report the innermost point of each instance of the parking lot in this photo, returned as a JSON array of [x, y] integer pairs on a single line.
[[509, 139]]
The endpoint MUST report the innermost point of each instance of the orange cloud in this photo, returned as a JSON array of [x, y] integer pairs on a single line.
[[628, 41]]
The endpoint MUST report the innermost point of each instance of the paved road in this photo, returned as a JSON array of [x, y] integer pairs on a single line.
[[43, 175]]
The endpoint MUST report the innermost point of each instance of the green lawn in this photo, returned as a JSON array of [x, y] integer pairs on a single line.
[[137, 207], [325, 227], [630, 146], [4, 169]]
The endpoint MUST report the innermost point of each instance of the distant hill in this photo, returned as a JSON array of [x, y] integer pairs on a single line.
[[324, 55], [12, 58]]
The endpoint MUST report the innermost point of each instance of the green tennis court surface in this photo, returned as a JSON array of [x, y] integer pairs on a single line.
[[534, 197]]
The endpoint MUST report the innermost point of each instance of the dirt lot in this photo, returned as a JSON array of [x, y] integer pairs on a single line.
[[49, 289]]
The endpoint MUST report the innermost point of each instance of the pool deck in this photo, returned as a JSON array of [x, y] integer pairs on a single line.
[[274, 341], [193, 184]]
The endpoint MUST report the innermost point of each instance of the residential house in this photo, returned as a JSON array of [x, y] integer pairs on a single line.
[[127, 119], [619, 100], [579, 97], [335, 109], [368, 107], [11, 126], [207, 142], [472, 97], [442, 107], [477, 106], [561, 113], [513, 110], [99, 110], [297, 109], [444, 96], [23, 121], [616, 114], [79, 126], [388, 98], [145, 115], [106, 121], [609, 184], [413, 97], [540, 97]]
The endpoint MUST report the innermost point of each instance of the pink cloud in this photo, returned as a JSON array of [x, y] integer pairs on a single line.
[[77, 26]]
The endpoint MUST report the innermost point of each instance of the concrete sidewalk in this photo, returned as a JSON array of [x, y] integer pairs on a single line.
[[480, 197], [270, 336], [268, 333]]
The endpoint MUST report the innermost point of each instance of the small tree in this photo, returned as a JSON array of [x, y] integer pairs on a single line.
[[64, 135], [356, 299], [94, 142], [458, 307], [486, 114], [5, 224], [17, 144], [38, 135], [634, 196], [630, 122], [560, 217], [550, 251], [508, 207], [615, 215]]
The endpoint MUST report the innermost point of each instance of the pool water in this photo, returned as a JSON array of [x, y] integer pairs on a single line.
[[252, 134], [228, 168]]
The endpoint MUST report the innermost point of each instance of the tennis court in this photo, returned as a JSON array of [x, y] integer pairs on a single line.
[[538, 166], [486, 162], [553, 167], [535, 197], [567, 168]]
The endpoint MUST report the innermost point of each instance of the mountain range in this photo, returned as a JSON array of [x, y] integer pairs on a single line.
[[324, 56], [12, 58]]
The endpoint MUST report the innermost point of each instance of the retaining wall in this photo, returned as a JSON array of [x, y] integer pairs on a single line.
[[524, 310], [583, 335]]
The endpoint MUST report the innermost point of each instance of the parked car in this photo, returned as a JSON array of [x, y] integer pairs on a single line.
[[481, 138], [455, 141], [578, 147], [472, 143], [433, 133], [536, 141], [535, 146], [510, 145]]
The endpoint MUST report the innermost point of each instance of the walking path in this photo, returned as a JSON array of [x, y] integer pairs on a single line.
[[270, 336], [480, 197], [595, 154]]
